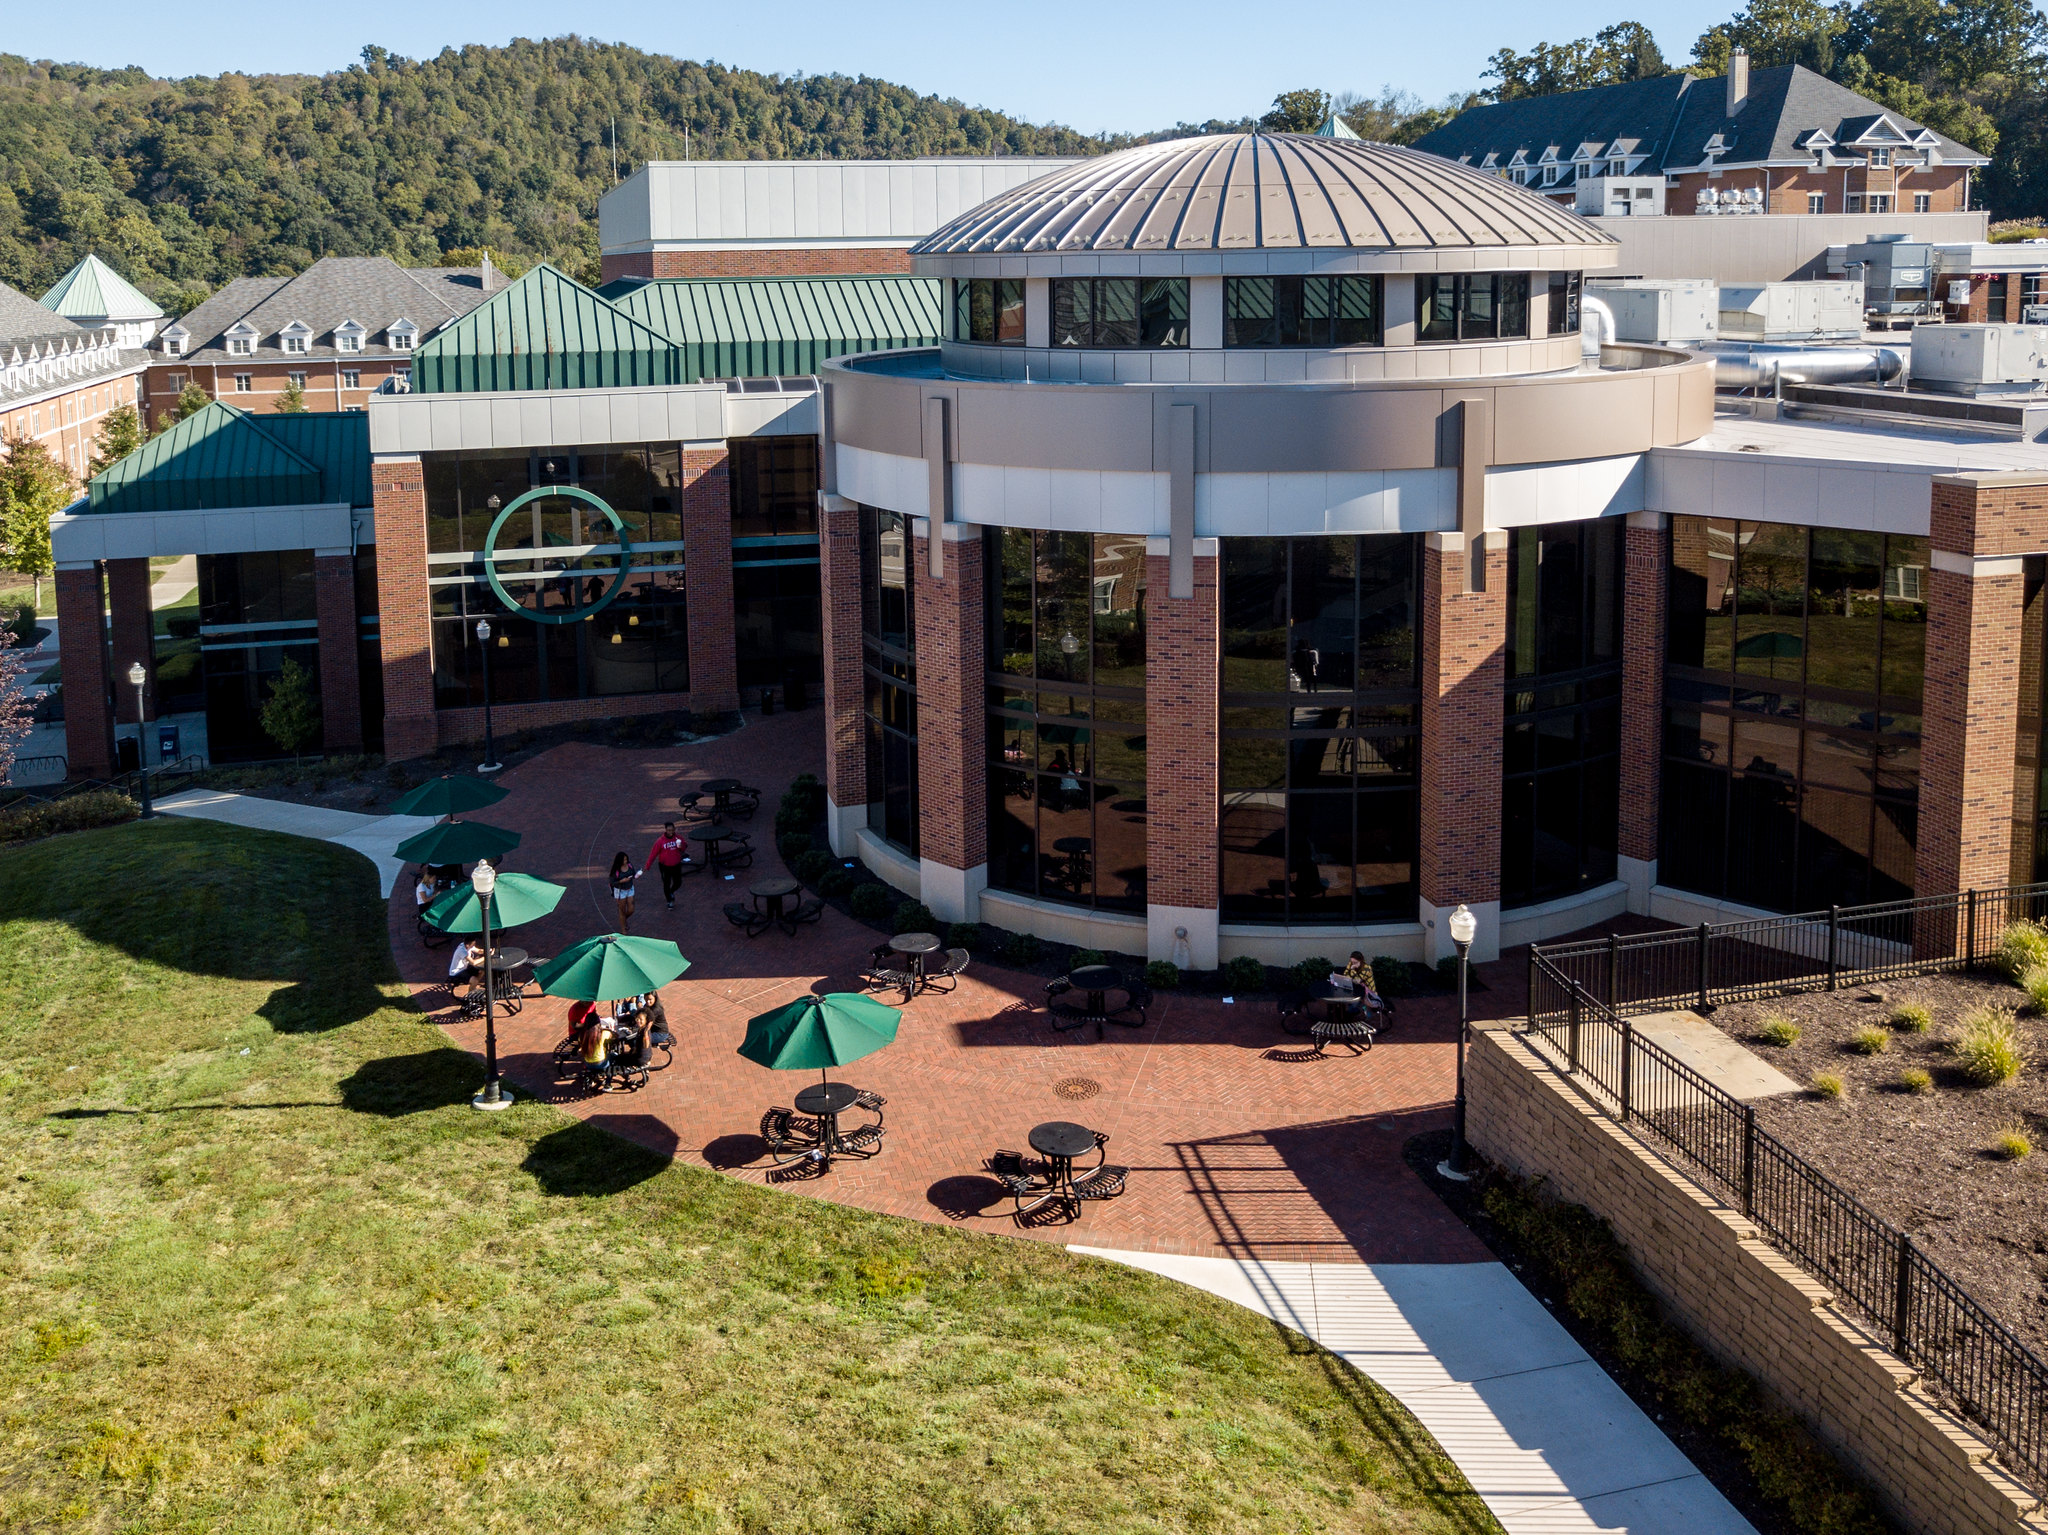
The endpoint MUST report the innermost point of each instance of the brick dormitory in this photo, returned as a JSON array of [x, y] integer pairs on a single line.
[[1173, 581]]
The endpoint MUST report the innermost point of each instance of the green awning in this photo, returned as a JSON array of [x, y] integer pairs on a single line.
[[545, 331], [768, 327], [224, 456]]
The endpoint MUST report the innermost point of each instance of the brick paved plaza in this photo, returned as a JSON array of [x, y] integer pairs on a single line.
[[1240, 1142]]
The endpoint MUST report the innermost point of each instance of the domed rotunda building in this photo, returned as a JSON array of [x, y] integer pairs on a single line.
[[1250, 569]]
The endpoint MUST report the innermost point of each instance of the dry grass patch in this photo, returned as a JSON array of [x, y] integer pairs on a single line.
[[1987, 1048]]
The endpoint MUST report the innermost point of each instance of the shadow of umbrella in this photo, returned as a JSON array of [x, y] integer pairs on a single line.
[[411, 1084], [582, 1161], [965, 1196]]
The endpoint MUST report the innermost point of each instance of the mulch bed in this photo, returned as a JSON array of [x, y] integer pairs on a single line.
[[1924, 1161]]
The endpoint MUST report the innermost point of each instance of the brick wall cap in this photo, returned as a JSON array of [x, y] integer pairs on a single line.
[[1983, 478]]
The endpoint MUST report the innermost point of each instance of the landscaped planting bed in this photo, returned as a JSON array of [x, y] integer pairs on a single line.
[[1912, 1134]]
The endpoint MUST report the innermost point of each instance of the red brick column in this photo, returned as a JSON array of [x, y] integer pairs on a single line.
[[341, 696], [952, 749], [707, 577], [404, 634], [131, 631], [1183, 676], [1464, 635], [1642, 698], [846, 763], [82, 649]]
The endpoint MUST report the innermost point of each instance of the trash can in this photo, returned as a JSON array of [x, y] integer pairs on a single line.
[[166, 744], [128, 754]]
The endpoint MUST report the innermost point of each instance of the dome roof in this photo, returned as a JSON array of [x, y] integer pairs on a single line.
[[1261, 191]]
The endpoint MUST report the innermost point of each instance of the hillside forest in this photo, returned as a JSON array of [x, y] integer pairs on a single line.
[[184, 184]]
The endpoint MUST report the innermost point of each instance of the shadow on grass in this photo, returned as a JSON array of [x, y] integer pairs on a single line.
[[412, 1084], [590, 1161]]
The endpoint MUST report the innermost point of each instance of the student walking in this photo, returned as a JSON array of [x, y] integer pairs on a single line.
[[668, 854], [623, 878]]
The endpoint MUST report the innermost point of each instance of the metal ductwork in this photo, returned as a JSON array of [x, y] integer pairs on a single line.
[[1593, 337], [1756, 367]]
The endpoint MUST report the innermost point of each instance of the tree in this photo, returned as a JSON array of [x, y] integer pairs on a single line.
[[1777, 32], [120, 434], [17, 710], [1622, 52], [1950, 46], [1301, 111], [192, 399], [293, 401], [1396, 116], [291, 714], [34, 487]]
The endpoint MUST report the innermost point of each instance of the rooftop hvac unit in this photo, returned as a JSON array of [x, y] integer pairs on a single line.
[[1660, 310], [1981, 359], [1791, 311]]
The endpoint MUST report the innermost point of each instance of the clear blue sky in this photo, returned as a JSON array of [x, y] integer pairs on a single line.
[[1099, 67]]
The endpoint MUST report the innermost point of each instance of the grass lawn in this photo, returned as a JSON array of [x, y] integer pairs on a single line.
[[263, 1269]]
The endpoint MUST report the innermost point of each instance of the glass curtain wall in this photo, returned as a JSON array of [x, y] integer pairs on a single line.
[[2029, 803], [1561, 779], [1119, 311], [256, 611], [989, 310], [889, 661], [1321, 650], [1484, 306], [1066, 722], [1301, 311], [638, 644], [1792, 690], [777, 632]]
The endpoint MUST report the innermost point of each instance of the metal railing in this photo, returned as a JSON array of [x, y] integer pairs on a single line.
[[1974, 1363], [179, 771], [1818, 950]]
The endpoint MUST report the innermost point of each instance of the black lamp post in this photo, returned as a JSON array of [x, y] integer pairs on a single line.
[[490, 764], [1464, 927], [493, 1096], [138, 675]]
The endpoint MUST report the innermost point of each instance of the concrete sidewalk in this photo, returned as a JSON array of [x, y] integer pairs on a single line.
[[375, 837], [1549, 1442]]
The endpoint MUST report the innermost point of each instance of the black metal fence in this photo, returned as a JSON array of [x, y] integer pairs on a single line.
[[1813, 951], [1970, 1358]]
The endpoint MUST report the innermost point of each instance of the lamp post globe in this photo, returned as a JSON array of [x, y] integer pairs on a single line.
[[490, 764], [493, 1096], [138, 678], [1464, 928]]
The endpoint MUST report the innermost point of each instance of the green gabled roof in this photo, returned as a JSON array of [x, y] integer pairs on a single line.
[[545, 331], [93, 290], [225, 457], [764, 327]]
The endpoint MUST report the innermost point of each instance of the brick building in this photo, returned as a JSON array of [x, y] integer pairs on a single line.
[[58, 379]]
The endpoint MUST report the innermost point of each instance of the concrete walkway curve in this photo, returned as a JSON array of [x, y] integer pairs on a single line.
[[376, 837]]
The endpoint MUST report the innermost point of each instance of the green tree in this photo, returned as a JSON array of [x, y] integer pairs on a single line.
[[192, 399], [120, 434], [1396, 116], [1777, 32], [1624, 51], [291, 714], [1951, 46], [293, 401], [1301, 111], [34, 486]]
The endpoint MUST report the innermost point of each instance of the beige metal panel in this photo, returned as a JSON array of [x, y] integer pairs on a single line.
[[1082, 428], [1279, 431], [1595, 416], [876, 412]]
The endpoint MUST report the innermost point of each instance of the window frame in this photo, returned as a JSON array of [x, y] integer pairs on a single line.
[[1096, 327], [999, 291], [1503, 289], [1334, 297]]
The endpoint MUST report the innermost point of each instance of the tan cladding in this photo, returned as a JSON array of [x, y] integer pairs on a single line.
[[1289, 428]]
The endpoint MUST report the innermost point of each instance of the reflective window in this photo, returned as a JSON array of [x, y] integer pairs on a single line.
[[889, 661], [1119, 311], [989, 310], [1563, 296], [1301, 311], [1480, 306], [1793, 669], [1066, 722], [1320, 657]]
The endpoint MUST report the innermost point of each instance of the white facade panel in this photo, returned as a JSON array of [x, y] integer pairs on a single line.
[[888, 480], [1532, 494]]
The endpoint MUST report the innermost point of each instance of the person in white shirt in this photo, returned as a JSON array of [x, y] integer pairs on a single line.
[[465, 963]]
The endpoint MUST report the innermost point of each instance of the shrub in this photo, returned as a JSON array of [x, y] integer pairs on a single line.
[[1447, 972], [75, 812], [2013, 1143], [837, 880], [1082, 957], [812, 866], [1023, 949], [1988, 1047], [1777, 1029], [1870, 1040], [870, 902], [2035, 984], [1390, 977], [788, 821], [1912, 1018], [1162, 975], [19, 620], [964, 935], [1312, 969], [1827, 1084], [1914, 1080], [793, 846], [2023, 946], [1244, 974], [914, 917]]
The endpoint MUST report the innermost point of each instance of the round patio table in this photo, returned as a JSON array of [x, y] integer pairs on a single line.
[[721, 790], [824, 1102], [774, 892], [1059, 1141], [1344, 1019], [1096, 980], [914, 947]]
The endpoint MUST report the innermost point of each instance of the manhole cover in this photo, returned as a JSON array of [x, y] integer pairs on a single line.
[[1076, 1088]]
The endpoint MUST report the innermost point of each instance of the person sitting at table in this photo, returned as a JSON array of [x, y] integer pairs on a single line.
[[654, 1017], [465, 964], [1359, 972], [591, 1030], [426, 889]]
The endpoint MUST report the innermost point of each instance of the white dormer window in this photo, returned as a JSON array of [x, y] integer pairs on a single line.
[[403, 335], [1880, 159], [241, 337], [1617, 167], [295, 338], [174, 339], [1550, 175], [348, 337]]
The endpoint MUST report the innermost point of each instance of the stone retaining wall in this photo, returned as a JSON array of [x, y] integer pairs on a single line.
[[1744, 1301]]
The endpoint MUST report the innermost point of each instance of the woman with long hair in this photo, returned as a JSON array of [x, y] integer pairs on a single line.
[[622, 877]]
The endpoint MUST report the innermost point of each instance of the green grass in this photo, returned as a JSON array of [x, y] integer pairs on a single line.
[[262, 1268]]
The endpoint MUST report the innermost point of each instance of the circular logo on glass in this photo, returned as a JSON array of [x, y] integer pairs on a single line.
[[553, 567]]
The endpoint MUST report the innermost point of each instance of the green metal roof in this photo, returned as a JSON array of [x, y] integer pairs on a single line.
[[545, 331], [227, 457], [92, 290], [765, 327]]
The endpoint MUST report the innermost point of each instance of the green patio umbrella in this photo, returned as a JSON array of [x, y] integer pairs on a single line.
[[449, 794], [458, 842], [1770, 645], [518, 898], [611, 966], [836, 1029]]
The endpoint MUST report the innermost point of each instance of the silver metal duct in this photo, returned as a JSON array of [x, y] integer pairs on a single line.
[[1754, 367], [1593, 337]]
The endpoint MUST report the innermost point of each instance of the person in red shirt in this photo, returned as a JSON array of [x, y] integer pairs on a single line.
[[668, 853]]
